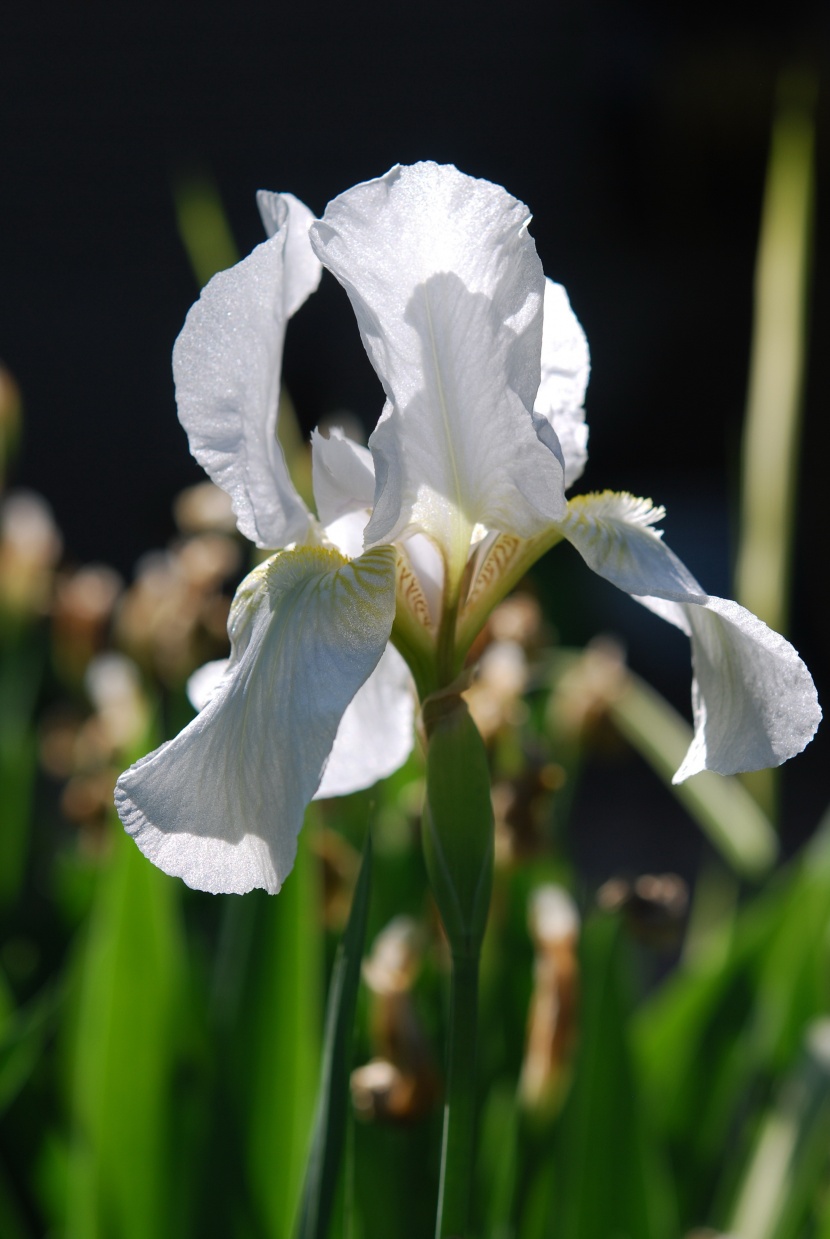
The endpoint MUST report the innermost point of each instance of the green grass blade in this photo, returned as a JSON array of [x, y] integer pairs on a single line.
[[12, 1222], [275, 1045], [610, 1175], [497, 1160], [763, 567], [203, 225], [124, 1053], [21, 674], [23, 1035], [789, 1164], [773, 416], [729, 1022], [331, 1115]]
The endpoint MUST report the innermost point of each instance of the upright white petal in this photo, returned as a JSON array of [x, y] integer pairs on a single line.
[[343, 475], [565, 370], [222, 804], [447, 289], [754, 702], [301, 268], [227, 363], [376, 733]]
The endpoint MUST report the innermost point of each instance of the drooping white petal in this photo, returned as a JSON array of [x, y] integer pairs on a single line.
[[222, 804], [227, 362], [376, 733], [753, 700], [447, 289], [565, 370]]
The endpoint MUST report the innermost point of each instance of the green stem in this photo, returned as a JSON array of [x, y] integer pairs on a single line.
[[445, 656], [458, 1148]]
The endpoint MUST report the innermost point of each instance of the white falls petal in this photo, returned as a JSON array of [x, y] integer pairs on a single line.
[[447, 289], [376, 733], [753, 700], [565, 370], [222, 804], [227, 363]]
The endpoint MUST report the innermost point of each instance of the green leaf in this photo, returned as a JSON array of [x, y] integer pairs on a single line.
[[131, 979], [779, 343], [21, 674], [611, 1179], [712, 1040], [497, 1160], [789, 1164], [275, 1037], [330, 1118], [12, 1223], [23, 1035]]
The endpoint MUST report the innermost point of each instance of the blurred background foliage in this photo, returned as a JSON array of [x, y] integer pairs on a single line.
[[655, 1051]]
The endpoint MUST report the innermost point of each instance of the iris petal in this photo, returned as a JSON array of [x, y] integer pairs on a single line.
[[447, 289], [343, 475], [222, 804], [565, 370], [376, 733], [753, 700], [227, 362]]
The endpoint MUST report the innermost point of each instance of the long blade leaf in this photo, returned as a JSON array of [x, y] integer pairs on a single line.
[[330, 1118]]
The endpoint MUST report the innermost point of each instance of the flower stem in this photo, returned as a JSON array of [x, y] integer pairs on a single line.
[[458, 851], [458, 1147], [445, 651]]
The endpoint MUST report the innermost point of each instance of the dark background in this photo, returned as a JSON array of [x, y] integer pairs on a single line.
[[637, 134]]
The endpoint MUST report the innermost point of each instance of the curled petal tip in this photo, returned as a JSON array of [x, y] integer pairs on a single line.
[[753, 699]]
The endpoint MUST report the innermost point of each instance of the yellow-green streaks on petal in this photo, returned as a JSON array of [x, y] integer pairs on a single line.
[[502, 567], [494, 565]]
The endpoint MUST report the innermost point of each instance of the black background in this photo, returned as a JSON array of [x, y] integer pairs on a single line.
[[637, 134]]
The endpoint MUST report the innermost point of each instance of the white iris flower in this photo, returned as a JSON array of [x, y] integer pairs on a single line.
[[416, 538]]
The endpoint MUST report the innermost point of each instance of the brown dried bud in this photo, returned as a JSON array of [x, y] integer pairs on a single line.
[[552, 1020], [654, 906]]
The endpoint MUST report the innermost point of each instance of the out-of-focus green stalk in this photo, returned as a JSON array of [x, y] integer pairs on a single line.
[[773, 415], [280, 1050], [126, 1042], [776, 376], [21, 675], [713, 914], [330, 1120], [732, 819], [203, 225], [789, 1163]]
